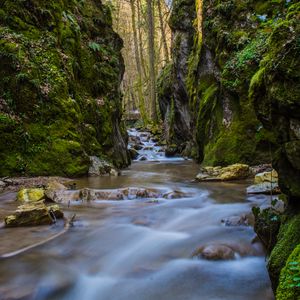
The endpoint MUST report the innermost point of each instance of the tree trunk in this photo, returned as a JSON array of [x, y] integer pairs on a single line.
[[141, 99], [152, 87], [163, 33]]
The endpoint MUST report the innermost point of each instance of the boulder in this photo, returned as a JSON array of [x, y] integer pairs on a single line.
[[33, 214], [55, 191], [133, 153], [236, 221], [266, 188], [171, 150], [232, 172], [215, 252], [117, 194], [101, 167], [266, 177], [30, 195]]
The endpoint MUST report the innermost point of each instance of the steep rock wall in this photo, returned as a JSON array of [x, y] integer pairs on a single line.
[[60, 70]]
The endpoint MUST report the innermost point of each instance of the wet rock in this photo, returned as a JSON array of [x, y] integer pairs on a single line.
[[100, 167], [143, 158], [137, 147], [266, 226], [30, 195], [215, 252], [265, 183], [266, 188], [236, 221], [33, 214], [175, 195], [261, 169], [133, 153], [117, 194], [149, 148], [232, 172], [266, 177], [171, 150], [55, 191]]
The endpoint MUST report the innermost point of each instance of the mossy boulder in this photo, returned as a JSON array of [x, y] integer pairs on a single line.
[[34, 214], [30, 195], [229, 173]]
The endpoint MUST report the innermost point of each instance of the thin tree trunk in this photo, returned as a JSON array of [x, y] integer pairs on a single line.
[[163, 33], [151, 49], [141, 99], [140, 38]]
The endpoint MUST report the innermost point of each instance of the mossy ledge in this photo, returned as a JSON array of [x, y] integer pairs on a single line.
[[60, 69]]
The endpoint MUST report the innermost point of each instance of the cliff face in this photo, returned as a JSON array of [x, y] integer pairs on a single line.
[[172, 91], [60, 69], [206, 88]]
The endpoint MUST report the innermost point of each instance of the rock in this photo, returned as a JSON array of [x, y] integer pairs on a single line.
[[30, 195], [149, 148], [236, 221], [175, 195], [143, 158], [266, 188], [55, 191], [266, 177], [232, 172], [137, 147], [261, 169], [33, 214], [133, 153], [2, 184], [266, 226], [99, 167], [171, 150], [117, 194], [215, 252], [114, 172]]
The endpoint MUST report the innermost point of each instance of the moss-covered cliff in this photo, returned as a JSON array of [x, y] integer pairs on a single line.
[[60, 70], [224, 45]]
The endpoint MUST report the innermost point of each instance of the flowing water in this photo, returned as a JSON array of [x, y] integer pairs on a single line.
[[142, 248]]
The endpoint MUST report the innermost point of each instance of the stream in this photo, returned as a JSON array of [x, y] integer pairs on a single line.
[[142, 249]]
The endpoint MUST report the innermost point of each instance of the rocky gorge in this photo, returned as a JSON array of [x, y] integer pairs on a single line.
[[189, 205]]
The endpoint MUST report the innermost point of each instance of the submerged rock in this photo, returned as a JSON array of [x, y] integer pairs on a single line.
[[232, 172], [33, 214], [30, 195], [215, 252], [236, 221]]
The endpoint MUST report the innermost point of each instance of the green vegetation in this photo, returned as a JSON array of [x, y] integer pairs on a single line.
[[289, 284], [60, 69]]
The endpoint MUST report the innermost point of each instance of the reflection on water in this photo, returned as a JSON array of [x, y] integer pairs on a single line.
[[141, 249]]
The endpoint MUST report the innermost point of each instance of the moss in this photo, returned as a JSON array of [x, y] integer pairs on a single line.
[[287, 239], [62, 95], [288, 288]]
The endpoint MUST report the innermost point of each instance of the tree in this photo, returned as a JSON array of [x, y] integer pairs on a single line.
[[151, 53]]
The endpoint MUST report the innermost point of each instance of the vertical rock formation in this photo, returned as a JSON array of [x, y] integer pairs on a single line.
[[60, 69]]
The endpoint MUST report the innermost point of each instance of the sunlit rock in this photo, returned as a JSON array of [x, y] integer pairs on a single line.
[[30, 195], [232, 172], [33, 214]]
